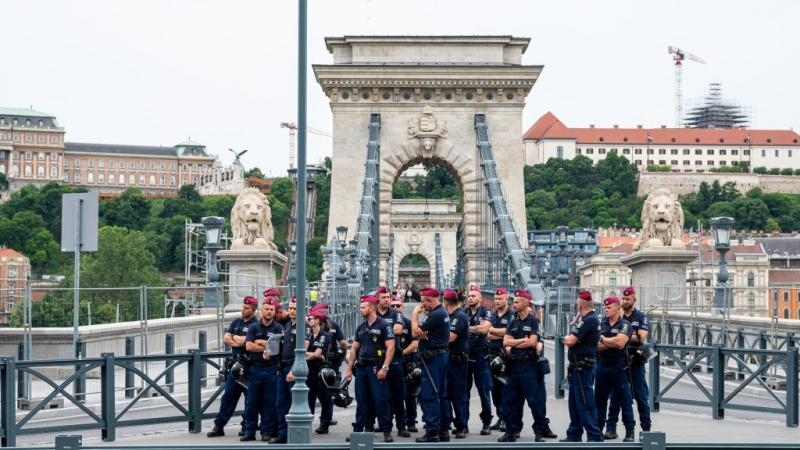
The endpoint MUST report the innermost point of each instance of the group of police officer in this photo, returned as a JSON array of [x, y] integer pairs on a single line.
[[431, 362]]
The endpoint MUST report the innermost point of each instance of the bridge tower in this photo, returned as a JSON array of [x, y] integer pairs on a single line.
[[427, 91]]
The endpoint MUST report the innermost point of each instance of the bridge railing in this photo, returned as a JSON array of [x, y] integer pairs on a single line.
[[189, 403], [772, 373]]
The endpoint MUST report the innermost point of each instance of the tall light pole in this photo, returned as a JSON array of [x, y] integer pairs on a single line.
[[722, 235], [300, 417]]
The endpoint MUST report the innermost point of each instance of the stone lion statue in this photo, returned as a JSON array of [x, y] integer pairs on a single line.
[[251, 220], [662, 221]]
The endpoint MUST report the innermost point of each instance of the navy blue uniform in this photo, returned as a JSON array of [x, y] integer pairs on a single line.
[[641, 393], [233, 390], [404, 340], [433, 395], [496, 349], [396, 376], [612, 376], [320, 341], [285, 387], [478, 364], [457, 373], [334, 360], [370, 391], [522, 384], [581, 373], [263, 385]]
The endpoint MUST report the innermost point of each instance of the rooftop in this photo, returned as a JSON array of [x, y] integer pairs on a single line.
[[10, 253], [23, 112], [80, 147], [550, 127], [787, 276], [784, 247]]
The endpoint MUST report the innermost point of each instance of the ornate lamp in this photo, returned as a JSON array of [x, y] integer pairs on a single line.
[[213, 229], [722, 227]]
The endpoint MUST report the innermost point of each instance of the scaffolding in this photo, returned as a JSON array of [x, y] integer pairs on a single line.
[[713, 111], [195, 256]]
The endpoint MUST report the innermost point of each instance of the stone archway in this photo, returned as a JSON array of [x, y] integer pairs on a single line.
[[427, 91]]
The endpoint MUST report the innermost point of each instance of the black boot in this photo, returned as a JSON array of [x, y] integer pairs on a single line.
[[497, 424], [412, 428], [217, 431], [629, 437], [486, 430], [548, 434], [403, 433], [428, 437], [387, 437], [460, 434], [538, 438], [610, 435], [247, 437], [444, 436], [508, 437], [322, 429]]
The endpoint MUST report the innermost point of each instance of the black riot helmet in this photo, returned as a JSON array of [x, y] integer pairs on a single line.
[[341, 397], [414, 381], [499, 369], [328, 379], [239, 375]]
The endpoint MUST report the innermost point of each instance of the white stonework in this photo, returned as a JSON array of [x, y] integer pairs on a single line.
[[684, 183], [399, 77]]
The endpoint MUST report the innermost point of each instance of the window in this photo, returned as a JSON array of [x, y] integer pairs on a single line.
[[662, 151], [763, 153], [751, 279], [686, 151], [2, 168], [686, 162], [722, 151], [111, 178], [101, 164], [28, 171], [131, 179], [776, 152], [152, 180], [626, 151], [710, 162], [710, 151], [77, 178], [751, 300], [90, 164], [612, 279], [40, 139], [785, 296], [186, 166], [173, 166], [66, 176], [54, 139], [29, 138], [649, 162], [142, 165], [637, 151], [601, 151], [90, 178], [698, 163], [53, 171], [698, 151], [77, 163], [578, 151], [132, 165], [162, 180], [28, 156], [111, 164], [194, 167], [122, 178], [638, 162], [663, 162], [785, 313], [101, 178], [153, 165], [172, 180], [12, 272], [734, 151], [163, 166], [649, 151], [40, 172], [560, 152], [674, 151], [589, 151], [674, 162], [790, 152], [141, 179]]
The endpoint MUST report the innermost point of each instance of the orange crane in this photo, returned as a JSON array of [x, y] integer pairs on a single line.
[[678, 56], [293, 132]]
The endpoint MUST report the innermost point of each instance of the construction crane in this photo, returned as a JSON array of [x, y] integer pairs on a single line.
[[293, 132], [678, 56]]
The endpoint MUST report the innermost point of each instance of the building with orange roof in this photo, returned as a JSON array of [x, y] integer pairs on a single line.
[[684, 149], [784, 287], [15, 272]]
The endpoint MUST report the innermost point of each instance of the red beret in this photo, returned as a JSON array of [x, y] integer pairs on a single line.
[[293, 300], [523, 293], [249, 300], [319, 306], [382, 290], [397, 298], [585, 295], [429, 292], [369, 299], [610, 300], [318, 313], [450, 294], [272, 292], [474, 288], [501, 291], [629, 291]]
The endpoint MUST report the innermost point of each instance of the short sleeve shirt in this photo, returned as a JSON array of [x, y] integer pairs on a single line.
[[372, 338], [481, 314], [405, 336], [239, 327], [289, 339], [259, 331], [459, 324], [320, 341], [522, 328], [437, 325], [610, 330], [499, 321], [638, 321], [586, 329]]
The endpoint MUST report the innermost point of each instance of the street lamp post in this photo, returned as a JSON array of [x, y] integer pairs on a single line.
[[722, 235], [213, 229], [292, 281]]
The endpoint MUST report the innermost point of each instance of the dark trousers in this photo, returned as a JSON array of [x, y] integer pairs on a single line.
[[641, 394], [411, 409], [327, 407], [541, 413], [522, 386], [370, 391], [478, 372], [612, 379], [230, 398], [317, 391], [284, 400], [433, 400], [397, 394], [582, 407], [261, 401], [457, 400]]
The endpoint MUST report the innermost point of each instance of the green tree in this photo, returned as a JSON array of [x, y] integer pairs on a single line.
[[787, 171], [760, 170], [131, 210], [3, 182], [659, 168], [254, 172]]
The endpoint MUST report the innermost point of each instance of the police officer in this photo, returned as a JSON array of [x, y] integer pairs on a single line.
[[612, 377], [372, 350], [263, 383], [285, 375], [458, 401], [281, 315], [637, 357], [541, 365], [234, 338], [497, 331], [478, 365], [434, 336], [520, 345], [582, 355], [408, 349], [334, 357], [318, 342], [396, 378]]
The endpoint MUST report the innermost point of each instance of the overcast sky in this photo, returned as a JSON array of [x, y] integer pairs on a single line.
[[224, 72]]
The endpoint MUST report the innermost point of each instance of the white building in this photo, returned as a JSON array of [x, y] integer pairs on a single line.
[[222, 180], [685, 149]]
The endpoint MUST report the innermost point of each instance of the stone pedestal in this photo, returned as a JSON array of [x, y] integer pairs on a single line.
[[251, 271], [659, 275]]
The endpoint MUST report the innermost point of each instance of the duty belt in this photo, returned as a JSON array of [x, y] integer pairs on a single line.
[[430, 353], [586, 363], [458, 357], [607, 361], [361, 361]]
